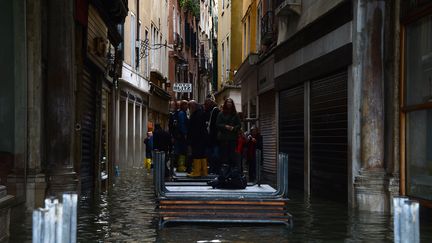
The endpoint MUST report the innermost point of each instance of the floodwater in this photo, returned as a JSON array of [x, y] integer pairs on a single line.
[[127, 214]]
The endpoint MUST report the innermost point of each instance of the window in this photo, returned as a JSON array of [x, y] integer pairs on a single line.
[[138, 49], [244, 40], [121, 47], [165, 56], [223, 62], [160, 53], [418, 107], [248, 36], [228, 67], [179, 24], [151, 44], [132, 40], [146, 58], [174, 21], [258, 24]]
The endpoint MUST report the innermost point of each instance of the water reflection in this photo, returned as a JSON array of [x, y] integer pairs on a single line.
[[127, 214]]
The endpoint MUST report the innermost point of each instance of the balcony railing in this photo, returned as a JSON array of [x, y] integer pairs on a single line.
[[267, 28], [178, 42]]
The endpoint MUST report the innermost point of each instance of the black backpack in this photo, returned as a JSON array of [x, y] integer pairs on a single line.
[[229, 178]]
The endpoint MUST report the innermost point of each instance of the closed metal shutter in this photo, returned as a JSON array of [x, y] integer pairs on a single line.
[[267, 125], [88, 121], [328, 136], [291, 133]]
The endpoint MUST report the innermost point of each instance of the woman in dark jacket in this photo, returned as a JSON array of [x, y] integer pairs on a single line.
[[228, 124]]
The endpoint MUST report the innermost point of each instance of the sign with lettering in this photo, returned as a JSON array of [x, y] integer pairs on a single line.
[[182, 87]]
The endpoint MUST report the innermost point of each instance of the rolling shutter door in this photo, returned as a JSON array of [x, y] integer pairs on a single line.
[[88, 121], [291, 133], [268, 131], [328, 136]]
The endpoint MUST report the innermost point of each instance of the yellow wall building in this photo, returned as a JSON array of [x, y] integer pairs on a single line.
[[229, 39], [249, 24]]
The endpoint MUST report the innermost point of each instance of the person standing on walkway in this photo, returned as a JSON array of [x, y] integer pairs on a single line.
[[161, 143], [212, 151], [228, 124], [148, 141], [254, 142], [173, 130], [181, 136], [196, 136]]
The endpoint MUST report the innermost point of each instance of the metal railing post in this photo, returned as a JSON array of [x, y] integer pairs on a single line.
[[406, 220], [258, 166], [57, 222], [285, 175]]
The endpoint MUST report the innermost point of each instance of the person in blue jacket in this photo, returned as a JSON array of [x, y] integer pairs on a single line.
[[181, 136]]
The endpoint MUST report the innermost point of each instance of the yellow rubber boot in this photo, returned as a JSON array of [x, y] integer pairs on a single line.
[[196, 168], [181, 167], [204, 167], [147, 164]]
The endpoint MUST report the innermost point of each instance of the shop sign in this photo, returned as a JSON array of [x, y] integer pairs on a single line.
[[182, 87]]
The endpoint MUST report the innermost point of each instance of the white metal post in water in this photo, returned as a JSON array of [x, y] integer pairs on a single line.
[[57, 222], [406, 220]]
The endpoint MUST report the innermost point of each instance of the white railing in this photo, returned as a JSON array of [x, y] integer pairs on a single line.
[[57, 222]]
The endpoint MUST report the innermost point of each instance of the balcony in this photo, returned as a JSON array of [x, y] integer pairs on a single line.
[[178, 42], [130, 76], [288, 7], [117, 10], [267, 28]]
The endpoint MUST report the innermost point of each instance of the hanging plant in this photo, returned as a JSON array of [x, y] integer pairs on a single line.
[[182, 3], [192, 6]]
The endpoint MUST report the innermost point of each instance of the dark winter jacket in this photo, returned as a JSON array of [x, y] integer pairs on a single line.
[[227, 119], [197, 127], [161, 140], [148, 141], [173, 124], [182, 124], [212, 135]]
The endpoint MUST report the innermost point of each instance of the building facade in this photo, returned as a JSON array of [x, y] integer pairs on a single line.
[[338, 78], [255, 75], [206, 50], [184, 55], [229, 48], [142, 99]]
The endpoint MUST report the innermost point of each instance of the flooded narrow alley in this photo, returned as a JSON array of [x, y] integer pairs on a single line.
[[127, 214]]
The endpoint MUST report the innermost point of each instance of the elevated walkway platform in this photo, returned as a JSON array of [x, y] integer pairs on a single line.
[[195, 201]]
